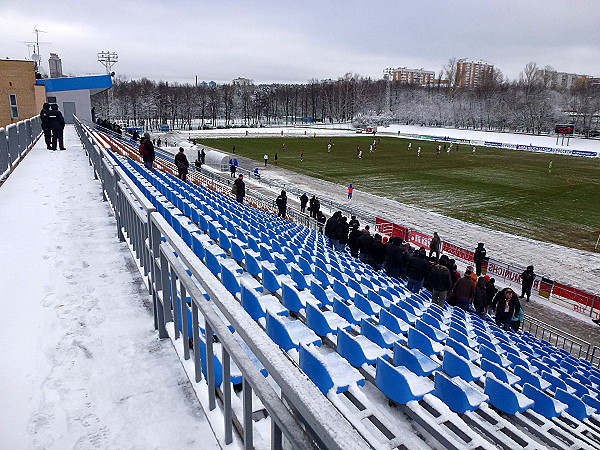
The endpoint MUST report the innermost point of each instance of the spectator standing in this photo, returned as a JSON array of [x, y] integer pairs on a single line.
[[527, 279], [231, 168], [378, 251], [464, 289], [147, 151], [434, 245], [505, 303], [235, 166], [478, 257], [439, 281], [350, 191], [182, 164], [364, 242], [158, 142], [353, 236], [239, 189], [331, 232], [317, 207], [202, 154], [416, 270], [490, 291], [56, 123], [303, 202], [344, 229], [480, 297], [320, 220], [354, 223], [393, 258], [517, 319], [46, 126], [281, 202]]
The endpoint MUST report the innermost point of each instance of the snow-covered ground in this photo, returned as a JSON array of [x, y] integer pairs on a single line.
[[81, 365]]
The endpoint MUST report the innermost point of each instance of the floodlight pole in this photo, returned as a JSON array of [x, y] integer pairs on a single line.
[[108, 60]]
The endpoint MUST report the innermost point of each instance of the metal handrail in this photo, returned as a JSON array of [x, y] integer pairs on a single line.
[[301, 416], [561, 339]]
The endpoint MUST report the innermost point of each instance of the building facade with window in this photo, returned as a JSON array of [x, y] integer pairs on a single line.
[[20, 98], [473, 73], [410, 76]]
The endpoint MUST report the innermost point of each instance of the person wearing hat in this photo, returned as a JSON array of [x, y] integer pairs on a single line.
[[416, 270], [281, 202], [464, 290], [527, 279], [182, 164], [147, 151], [505, 303], [478, 257]]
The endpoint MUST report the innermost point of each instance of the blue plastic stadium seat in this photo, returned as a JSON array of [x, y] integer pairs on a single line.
[[499, 372], [400, 384], [434, 321], [493, 356], [270, 280], [378, 334], [456, 334], [457, 366], [529, 377], [366, 306], [253, 267], [543, 403], [257, 305], [403, 314], [393, 323], [293, 297], [433, 333], [457, 394], [299, 278], [575, 406], [504, 397], [323, 278], [237, 250], [324, 323], [417, 339], [594, 402], [358, 350], [381, 300], [330, 372], [414, 360], [326, 297], [289, 334], [349, 312], [462, 350], [555, 382]]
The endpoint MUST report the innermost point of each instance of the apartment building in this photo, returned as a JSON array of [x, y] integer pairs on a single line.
[[472, 73], [410, 76]]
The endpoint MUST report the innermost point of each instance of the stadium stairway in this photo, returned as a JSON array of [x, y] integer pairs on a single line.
[[377, 351]]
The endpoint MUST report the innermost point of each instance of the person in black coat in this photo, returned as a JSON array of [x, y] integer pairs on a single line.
[[393, 257], [364, 243], [240, 189], [527, 279], [439, 282], [354, 223], [182, 164], [46, 126], [506, 302], [378, 251], [355, 233], [331, 230], [56, 123], [316, 208], [344, 229], [490, 291], [478, 257], [303, 202], [281, 202], [480, 297], [416, 270]]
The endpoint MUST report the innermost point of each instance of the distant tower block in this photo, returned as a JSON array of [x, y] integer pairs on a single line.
[[55, 65]]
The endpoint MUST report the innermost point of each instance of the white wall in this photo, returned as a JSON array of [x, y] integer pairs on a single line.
[[83, 103]]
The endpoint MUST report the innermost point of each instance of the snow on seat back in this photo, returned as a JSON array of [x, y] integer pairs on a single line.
[[358, 350], [414, 360], [457, 394], [575, 406], [330, 372], [499, 372], [543, 403], [400, 384], [457, 366], [418, 340], [289, 334], [504, 397]]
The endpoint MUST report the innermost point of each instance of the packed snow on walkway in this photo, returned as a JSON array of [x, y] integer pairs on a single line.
[[81, 365]]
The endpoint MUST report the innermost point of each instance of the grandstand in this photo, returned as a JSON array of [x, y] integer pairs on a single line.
[[298, 345]]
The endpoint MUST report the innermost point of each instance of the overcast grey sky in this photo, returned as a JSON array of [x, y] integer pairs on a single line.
[[293, 41]]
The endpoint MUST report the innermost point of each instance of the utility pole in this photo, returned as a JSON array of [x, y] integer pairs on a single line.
[[108, 60]]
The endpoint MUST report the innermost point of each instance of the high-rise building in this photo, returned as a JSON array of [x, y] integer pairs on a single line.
[[560, 80], [472, 74], [55, 66], [411, 76]]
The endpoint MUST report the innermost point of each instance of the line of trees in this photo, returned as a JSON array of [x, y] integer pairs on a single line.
[[530, 104]]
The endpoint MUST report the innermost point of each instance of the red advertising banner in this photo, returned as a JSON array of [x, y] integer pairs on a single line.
[[458, 252], [420, 239], [571, 293], [391, 229]]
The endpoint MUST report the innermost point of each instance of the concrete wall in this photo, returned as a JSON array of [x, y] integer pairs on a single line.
[[17, 77], [81, 98]]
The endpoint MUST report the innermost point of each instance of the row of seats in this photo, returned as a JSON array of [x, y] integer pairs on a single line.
[[303, 293]]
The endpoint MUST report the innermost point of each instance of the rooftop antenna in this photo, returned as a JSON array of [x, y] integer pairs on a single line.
[[108, 59], [36, 56]]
